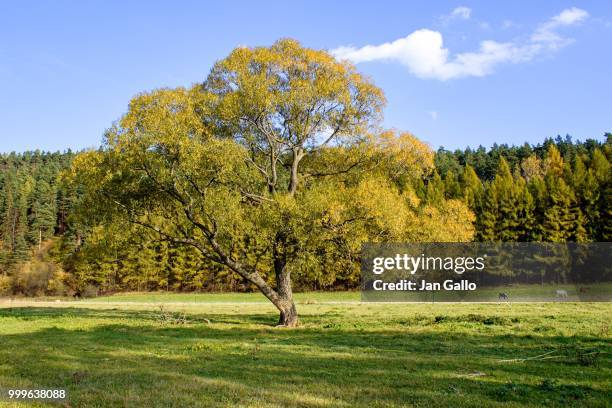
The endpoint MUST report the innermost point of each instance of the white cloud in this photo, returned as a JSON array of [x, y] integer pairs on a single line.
[[458, 13], [433, 115], [424, 54], [546, 33], [569, 16], [461, 12]]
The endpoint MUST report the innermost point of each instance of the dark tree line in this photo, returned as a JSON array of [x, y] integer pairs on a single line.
[[34, 207]]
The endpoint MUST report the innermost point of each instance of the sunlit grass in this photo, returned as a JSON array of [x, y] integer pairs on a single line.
[[343, 354]]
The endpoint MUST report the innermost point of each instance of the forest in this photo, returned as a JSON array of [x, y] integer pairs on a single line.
[[555, 191]]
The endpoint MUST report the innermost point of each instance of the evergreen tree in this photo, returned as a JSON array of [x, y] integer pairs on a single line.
[[508, 221], [559, 216], [472, 188], [452, 188], [435, 189], [486, 221]]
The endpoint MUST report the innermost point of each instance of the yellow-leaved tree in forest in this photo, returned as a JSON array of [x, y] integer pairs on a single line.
[[274, 165]]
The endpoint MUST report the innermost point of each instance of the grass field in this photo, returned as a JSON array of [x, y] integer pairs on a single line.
[[222, 350]]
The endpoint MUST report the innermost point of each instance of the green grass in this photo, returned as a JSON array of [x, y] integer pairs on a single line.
[[217, 353]]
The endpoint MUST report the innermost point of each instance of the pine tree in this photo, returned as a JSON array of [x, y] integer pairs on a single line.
[[526, 213], [508, 225], [559, 216], [486, 220], [452, 188], [435, 190], [472, 188], [538, 191], [553, 162], [43, 207]]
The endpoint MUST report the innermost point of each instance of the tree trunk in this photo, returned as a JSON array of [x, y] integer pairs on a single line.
[[288, 314], [286, 306], [298, 153], [282, 297]]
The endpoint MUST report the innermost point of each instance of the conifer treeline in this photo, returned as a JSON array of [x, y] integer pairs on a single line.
[[556, 191], [33, 206]]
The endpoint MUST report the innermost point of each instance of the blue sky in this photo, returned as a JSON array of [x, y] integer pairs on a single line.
[[455, 73]]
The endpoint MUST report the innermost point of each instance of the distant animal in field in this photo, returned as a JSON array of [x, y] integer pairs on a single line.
[[584, 290], [561, 293], [502, 296]]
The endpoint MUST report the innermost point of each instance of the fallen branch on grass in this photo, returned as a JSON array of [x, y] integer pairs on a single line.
[[571, 354]]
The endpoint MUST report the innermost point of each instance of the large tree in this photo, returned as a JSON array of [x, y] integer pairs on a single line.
[[268, 167]]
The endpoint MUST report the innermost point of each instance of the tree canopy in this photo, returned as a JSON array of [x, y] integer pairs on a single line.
[[272, 161]]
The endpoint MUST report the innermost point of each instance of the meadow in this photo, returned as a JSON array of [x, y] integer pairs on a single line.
[[183, 350]]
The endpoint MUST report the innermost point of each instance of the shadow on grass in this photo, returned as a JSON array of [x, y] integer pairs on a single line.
[[130, 358]]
